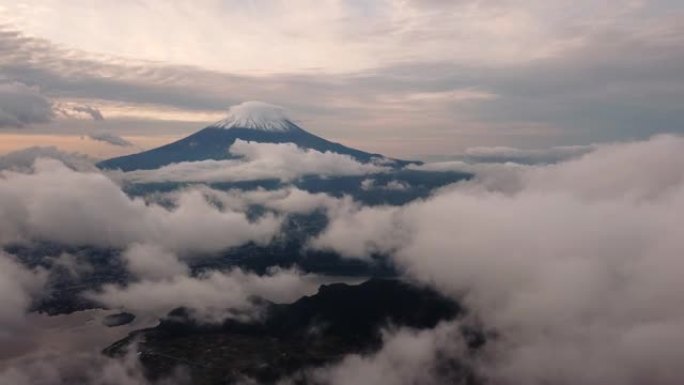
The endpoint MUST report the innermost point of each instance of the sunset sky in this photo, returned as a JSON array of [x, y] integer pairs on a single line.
[[401, 77]]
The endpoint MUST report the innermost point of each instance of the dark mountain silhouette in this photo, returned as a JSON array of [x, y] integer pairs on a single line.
[[316, 330], [251, 121]]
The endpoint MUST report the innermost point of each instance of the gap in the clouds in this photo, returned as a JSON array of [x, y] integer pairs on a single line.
[[381, 189], [316, 330]]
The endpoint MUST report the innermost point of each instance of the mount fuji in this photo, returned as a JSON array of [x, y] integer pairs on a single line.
[[250, 121]]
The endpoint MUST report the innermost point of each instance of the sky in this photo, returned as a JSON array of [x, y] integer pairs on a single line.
[[407, 78]]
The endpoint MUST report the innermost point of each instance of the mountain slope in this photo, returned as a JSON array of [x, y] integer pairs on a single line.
[[250, 121]]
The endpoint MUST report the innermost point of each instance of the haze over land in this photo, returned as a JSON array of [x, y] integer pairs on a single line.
[[341, 192]]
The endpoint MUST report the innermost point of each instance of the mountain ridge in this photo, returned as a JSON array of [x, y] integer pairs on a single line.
[[250, 121]]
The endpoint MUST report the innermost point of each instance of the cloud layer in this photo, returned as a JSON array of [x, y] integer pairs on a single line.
[[502, 73], [211, 296], [55, 203], [574, 265], [283, 161]]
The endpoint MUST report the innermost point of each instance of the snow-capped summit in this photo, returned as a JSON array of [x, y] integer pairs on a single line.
[[256, 115], [250, 122]]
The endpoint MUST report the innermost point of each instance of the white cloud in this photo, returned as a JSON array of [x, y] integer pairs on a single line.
[[147, 261], [361, 231], [55, 203], [287, 200], [576, 266], [637, 170], [256, 115], [284, 161], [212, 295]]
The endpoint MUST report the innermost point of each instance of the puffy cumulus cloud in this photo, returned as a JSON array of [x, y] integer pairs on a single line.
[[503, 177], [638, 170], [212, 295], [288, 200], [604, 172], [147, 261], [108, 137], [23, 160], [359, 232], [17, 287], [576, 267], [284, 161], [294, 200], [55, 203], [502, 168], [407, 357], [21, 105]]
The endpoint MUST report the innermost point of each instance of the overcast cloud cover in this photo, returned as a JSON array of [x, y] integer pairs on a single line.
[[516, 73]]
